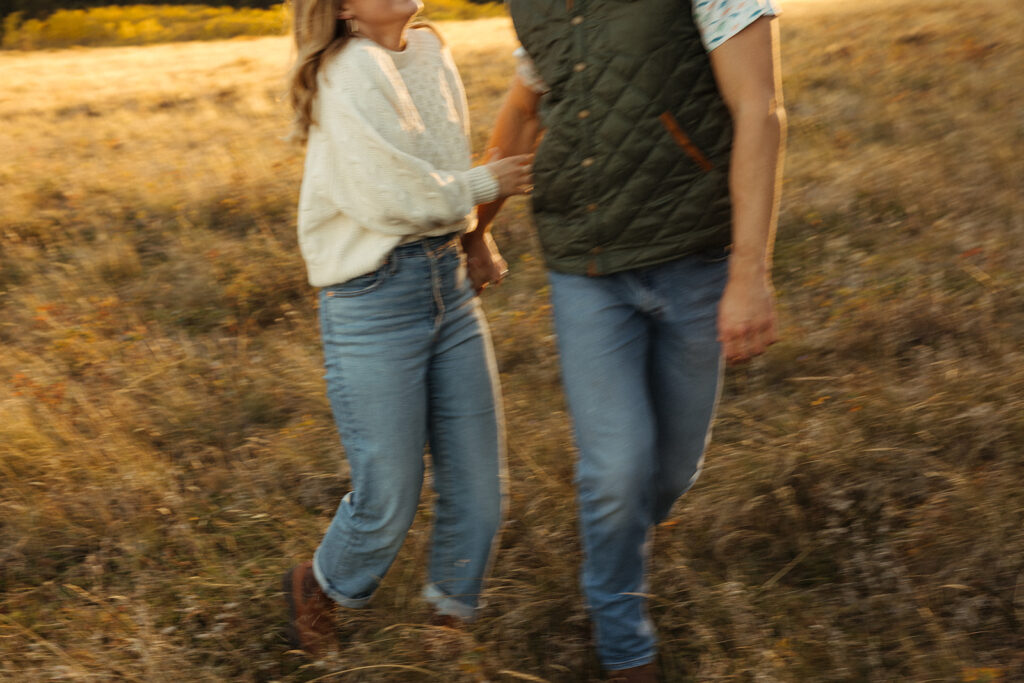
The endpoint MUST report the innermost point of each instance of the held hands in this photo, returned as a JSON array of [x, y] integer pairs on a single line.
[[484, 263], [483, 260], [746, 313], [514, 174]]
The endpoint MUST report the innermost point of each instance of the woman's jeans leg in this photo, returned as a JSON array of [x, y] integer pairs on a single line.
[[467, 444], [409, 361], [641, 368]]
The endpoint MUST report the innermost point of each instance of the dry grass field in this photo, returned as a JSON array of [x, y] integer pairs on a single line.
[[166, 449]]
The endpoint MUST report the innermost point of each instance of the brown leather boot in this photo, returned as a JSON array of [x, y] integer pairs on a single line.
[[447, 621], [309, 609], [448, 639], [648, 673]]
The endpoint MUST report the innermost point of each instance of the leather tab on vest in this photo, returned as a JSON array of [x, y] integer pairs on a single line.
[[684, 141]]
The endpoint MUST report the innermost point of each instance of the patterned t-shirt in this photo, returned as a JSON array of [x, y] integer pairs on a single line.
[[717, 21]]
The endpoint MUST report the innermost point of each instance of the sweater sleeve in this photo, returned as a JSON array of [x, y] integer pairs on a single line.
[[380, 186]]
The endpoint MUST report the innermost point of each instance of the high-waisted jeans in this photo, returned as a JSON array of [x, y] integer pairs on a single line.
[[641, 367], [409, 363]]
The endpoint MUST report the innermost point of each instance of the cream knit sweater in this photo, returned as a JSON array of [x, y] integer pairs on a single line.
[[387, 160]]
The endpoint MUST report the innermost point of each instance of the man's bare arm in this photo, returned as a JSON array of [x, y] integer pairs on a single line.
[[747, 70], [516, 131]]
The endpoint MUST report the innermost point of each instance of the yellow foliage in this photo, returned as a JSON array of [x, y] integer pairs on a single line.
[[147, 24], [141, 25], [444, 10]]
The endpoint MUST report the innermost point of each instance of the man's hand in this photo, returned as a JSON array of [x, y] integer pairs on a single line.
[[483, 260], [746, 67], [746, 313]]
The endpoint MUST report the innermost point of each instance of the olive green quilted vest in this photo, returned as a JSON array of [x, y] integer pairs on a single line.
[[633, 166]]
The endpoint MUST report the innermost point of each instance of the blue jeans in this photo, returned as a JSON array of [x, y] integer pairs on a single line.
[[409, 363], [641, 366]]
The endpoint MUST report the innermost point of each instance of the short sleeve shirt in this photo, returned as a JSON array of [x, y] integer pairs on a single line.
[[717, 21]]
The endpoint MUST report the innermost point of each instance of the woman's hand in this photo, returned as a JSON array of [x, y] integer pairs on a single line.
[[483, 260], [514, 174]]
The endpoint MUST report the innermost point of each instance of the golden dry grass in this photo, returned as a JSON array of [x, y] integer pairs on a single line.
[[166, 449]]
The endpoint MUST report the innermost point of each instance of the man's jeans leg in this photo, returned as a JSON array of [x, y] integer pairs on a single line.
[[685, 371], [640, 364]]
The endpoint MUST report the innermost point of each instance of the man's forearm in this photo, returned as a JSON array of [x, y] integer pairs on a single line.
[[516, 130], [749, 77], [747, 70], [755, 184]]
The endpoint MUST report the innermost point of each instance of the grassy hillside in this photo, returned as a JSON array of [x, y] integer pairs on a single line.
[[166, 449]]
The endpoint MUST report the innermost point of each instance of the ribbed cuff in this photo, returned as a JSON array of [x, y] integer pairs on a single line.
[[482, 184]]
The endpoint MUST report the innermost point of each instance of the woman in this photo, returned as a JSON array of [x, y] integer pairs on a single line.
[[386, 194]]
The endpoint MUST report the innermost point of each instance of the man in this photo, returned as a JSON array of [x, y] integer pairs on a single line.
[[656, 192]]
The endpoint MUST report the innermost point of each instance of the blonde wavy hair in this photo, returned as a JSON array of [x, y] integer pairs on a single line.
[[319, 35]]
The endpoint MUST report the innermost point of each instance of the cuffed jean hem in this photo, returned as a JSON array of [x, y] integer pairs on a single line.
[[445, 604], [629, 663], [325, 586]]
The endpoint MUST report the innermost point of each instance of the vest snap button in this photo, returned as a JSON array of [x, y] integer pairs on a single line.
[[580, 66], [577, 20], [584, 113], [589, 161], [591, 207]]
